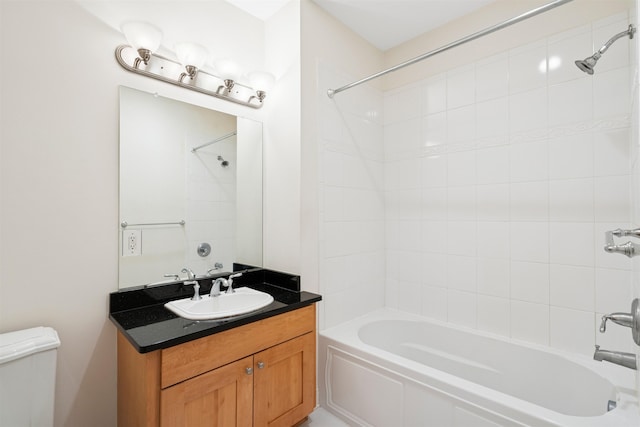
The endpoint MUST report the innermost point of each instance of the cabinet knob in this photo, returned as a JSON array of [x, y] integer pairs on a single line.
[[249, 371], [260, 365]]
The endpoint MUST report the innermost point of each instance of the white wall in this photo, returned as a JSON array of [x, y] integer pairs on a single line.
[[59, 188], [282, 142]]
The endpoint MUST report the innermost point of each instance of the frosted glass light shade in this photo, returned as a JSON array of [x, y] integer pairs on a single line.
[[191, 54], [227, 69], [142, 35], [261, 80]]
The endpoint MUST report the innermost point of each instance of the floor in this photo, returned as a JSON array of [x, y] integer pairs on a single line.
[[322, 418]]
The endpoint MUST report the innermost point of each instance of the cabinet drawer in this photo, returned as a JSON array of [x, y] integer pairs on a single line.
[[193, 358]]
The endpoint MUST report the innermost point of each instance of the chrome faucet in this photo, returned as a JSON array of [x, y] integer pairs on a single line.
[[628, 360], [215, 288], [227, 283], [191, 280]]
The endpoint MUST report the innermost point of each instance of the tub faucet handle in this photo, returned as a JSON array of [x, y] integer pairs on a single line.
[[630, 320]]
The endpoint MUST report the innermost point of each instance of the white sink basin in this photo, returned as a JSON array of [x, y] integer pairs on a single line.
[[242, 301]]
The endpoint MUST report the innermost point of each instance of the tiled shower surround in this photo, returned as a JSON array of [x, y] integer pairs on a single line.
[[482, 195]]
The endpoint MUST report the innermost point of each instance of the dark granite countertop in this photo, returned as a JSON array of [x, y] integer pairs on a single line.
[[139, 313]]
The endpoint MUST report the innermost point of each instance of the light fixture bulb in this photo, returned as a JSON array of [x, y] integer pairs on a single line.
[[262, 82], [191, 54], [143, 37], [227, 69]]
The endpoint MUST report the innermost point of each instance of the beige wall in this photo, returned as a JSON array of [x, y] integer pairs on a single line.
[[59, 189]]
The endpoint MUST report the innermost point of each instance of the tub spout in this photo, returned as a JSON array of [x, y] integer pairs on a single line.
[[628, 360]]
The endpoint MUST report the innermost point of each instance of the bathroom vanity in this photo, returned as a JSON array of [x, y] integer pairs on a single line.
[[257, 369]]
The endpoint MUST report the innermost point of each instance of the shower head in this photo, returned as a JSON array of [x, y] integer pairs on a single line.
[[223, 162], [590, 62], [587, 64]]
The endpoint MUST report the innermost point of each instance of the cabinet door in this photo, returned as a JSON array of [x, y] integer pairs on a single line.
[[284, 388], [219, 398]]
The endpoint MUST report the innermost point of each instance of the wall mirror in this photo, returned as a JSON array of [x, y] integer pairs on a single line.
[[190, 189]]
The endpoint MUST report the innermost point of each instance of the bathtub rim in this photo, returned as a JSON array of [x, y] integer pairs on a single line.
[[344, 337]]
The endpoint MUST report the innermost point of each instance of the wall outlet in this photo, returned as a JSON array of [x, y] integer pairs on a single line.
[[131, 243]]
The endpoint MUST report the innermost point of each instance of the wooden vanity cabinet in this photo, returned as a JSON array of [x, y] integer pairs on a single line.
[[259, 374]]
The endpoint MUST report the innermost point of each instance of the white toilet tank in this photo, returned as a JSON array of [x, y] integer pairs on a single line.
[[28, 377]]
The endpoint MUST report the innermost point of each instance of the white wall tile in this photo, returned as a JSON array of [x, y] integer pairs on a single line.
[[461, 168], [434, 129], [530, 282], [492, 77], [612, 199], [572, 243], [572, 287], [613, 290], [492, 165], [528, 110], [493, 314], [434, 204], [530, 322], [494, 277], [402, 105], [571, 102], [462, 238], [492, 117], [434, 270], [571, 200], [434, 171], [461, 86], [461, 273], [461, 203], [461, 124], [434, 302], [529, 201], [493, 239], [530, 241], [611, 95], [572, 330], [572, 156], [612, 152], [493, 202], [435, 95], [461, 308], [525, 72]]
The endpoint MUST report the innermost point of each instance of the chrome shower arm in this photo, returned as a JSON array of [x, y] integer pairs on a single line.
[[629, 32]]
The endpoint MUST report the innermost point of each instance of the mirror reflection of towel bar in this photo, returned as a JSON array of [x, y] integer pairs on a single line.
[[125, 224]]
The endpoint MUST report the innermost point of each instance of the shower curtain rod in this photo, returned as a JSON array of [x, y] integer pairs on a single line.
[[229, 135], [489, 30]]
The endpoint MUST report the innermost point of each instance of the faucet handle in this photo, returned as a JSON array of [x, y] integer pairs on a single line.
[[630, 320], [230, 289]]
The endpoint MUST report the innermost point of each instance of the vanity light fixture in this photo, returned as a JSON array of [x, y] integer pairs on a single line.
[[187, 71]]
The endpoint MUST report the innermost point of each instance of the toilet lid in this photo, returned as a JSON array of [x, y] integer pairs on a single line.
[[17, 344]]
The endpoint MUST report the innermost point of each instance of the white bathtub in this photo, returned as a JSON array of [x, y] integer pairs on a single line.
[[392, 369]]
